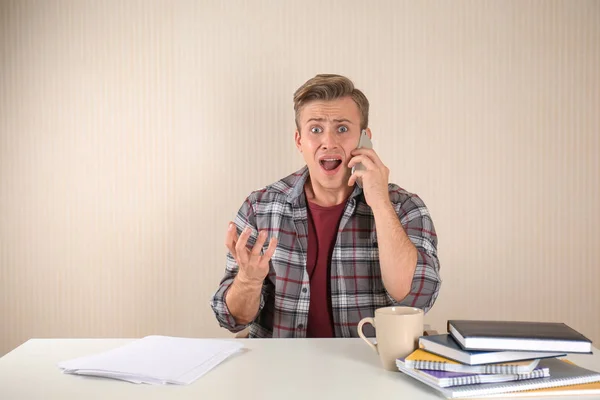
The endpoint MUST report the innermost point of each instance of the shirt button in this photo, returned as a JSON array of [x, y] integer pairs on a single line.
[[304, 290], [300, 326]]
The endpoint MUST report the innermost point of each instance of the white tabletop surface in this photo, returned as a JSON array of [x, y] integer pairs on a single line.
[[307, 369]]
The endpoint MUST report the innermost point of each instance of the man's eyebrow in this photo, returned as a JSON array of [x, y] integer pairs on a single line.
[[335, 120], [342, 120]]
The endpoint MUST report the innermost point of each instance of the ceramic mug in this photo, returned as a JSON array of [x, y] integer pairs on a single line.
[[397, 330]]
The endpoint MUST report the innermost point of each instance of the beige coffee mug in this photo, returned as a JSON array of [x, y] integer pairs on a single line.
[[397, 330]]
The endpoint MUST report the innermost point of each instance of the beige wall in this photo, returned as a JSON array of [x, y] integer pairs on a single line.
[[131, 133]]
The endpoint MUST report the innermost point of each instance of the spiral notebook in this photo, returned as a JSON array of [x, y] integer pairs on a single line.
[[562, 373], [421, 359], [449, 379]]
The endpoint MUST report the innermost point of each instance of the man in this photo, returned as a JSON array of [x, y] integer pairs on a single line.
[[314, 253]]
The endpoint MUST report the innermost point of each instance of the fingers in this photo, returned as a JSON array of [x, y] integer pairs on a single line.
[[364, 160], [262, 236], [231, 239], [240, 246], [357, 174], [270, 251], [369, 153]]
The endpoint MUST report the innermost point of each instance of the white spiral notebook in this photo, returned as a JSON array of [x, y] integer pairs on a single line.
[[562, 373]]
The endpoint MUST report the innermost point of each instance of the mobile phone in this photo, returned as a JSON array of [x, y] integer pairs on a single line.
[[363, 143]]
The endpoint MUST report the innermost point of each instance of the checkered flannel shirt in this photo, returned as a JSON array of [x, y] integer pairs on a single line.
[[356, 284]]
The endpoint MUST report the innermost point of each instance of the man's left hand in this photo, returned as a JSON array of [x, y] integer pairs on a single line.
[[374, 177]]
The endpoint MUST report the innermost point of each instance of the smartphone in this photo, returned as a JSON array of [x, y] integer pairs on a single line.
[[363, 143]]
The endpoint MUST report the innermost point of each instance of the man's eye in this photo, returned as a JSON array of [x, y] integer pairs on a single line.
[[343, 129], [316, 130]]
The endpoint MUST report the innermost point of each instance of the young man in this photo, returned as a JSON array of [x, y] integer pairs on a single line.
[[314, 253]]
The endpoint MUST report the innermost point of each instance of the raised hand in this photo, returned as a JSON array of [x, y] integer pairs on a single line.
[[253, 266]]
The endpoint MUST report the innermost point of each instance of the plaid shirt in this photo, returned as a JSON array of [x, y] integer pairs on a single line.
[[356, 284]]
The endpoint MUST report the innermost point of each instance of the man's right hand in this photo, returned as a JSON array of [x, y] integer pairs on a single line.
[[253, 267]]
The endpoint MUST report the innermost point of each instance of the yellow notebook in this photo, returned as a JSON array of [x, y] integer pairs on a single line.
[[421, 359]]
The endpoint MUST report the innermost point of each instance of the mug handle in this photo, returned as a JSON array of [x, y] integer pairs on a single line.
[[367, 320]]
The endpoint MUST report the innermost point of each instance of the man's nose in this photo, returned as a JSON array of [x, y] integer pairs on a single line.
[[330, 139]]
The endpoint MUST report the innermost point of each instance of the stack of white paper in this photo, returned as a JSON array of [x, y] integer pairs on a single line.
[[156, 360]]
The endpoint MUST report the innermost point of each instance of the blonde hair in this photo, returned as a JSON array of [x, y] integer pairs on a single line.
[[330, 87]]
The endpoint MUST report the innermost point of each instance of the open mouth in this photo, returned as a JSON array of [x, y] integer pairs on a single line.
[[330, 164]]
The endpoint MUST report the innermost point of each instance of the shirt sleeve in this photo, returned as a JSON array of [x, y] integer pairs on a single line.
[[245, 217], [418, 225]]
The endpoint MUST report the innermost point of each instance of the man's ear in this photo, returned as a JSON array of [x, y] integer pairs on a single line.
[[369, 134], [298, 140]]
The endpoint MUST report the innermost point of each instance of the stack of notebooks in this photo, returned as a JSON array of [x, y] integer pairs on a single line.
[[502, 359]]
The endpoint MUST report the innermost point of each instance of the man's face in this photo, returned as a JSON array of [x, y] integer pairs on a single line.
[[329, 131]]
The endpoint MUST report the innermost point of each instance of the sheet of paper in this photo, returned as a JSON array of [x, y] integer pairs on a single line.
[[156, 360]]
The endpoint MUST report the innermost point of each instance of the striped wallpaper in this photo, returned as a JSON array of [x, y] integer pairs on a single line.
[[131, 132]]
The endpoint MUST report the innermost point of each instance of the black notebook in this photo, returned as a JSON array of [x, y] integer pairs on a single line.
[[519, 336], [445, 346]]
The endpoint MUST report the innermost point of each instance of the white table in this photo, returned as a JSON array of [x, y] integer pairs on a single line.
[[307, 369]]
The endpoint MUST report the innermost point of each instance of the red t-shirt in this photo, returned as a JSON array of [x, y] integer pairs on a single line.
[[323, 225]]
